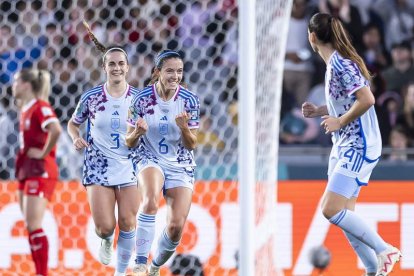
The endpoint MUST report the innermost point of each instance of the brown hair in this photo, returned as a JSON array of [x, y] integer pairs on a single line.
[[100, 46], [159, 62], [329, 29], [39, 80]]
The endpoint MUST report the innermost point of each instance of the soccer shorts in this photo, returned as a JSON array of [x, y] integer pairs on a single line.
[[173, 176], [351, 162], [38, 186]]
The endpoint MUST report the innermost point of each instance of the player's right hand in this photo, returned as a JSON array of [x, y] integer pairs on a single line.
[[79, 143], [309, 110], [141, 127]]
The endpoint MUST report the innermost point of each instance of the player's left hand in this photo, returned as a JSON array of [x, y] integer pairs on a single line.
[[330, 124], [35, 153], [182, 120]]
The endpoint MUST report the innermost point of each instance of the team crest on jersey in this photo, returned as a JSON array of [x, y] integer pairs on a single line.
[[347, 78], [27, 124], [115, 123], [163, 128]]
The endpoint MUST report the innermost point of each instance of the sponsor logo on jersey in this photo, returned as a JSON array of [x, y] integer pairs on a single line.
[[115, 113], [115, 123], [164, 118], [345, 166]]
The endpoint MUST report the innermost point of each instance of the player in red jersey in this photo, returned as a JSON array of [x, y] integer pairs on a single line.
[[36, 168]]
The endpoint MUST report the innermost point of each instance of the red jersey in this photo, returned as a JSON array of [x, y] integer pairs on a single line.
[[34, 118]]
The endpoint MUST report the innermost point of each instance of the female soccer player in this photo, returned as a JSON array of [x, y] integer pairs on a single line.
[[36, 168], [108, 172], [350, 118], [163, 122]]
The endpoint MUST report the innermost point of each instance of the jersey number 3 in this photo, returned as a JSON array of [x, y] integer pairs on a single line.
[[115, 138]]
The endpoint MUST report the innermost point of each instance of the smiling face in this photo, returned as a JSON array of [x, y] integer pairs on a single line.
[[171, 73], [116, 67]]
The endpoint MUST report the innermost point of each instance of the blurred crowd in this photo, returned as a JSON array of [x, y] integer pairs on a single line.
[[50, 35], [382, 31]]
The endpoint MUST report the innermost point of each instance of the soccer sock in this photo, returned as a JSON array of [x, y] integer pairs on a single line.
[[39, 246], [125, 245], [364, 252], [166, 247], [353, 224], [145, 237]]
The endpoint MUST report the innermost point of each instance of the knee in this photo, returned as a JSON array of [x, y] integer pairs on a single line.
[[329, 211], [127, 223], [104, 230], [150, 206], [175, 229]]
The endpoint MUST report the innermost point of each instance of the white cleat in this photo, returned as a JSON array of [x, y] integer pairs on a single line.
[[140, 270], [105, 251], [154, 270], [387, 259]]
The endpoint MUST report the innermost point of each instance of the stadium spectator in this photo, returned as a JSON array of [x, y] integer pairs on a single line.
[[401, 72], [36, 168], [375, 56], [399, 141], [349, 109], [163, 122], [298, 70], [406, 117], [108, 173]]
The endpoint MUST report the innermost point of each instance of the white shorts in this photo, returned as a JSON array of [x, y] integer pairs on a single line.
[[173, 176], [350, 162], [106, 171]]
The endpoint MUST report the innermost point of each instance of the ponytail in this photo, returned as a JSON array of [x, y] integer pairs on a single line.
[[342, 43], [45, 85], [100, 46], [329, 29]]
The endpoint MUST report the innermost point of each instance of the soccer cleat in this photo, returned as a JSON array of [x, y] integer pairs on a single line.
[[140, 270], [105, 251], [387, 259], [154, 270]]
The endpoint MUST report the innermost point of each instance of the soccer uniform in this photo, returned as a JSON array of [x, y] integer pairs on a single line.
[[356, 146], [161, 146], [36, 177], [107, 160]]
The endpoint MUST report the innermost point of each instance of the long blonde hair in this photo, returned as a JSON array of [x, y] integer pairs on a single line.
[[329, 29]]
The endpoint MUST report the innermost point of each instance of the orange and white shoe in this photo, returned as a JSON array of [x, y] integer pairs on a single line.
[[387, 259]]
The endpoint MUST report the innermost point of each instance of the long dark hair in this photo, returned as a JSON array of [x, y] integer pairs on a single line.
[[329, 29]]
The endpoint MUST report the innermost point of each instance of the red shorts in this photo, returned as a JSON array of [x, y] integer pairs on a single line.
[[38, 186]]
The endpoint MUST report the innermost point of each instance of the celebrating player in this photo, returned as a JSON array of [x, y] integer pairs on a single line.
[[36, 168], [108, 171], [163, 122], [350, 118]]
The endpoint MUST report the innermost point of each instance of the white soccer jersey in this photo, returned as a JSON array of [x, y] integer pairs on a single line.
[[106, 129], [162, 141], [343, 78]]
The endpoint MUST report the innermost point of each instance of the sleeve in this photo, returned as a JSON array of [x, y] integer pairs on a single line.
[[351, 78], [46, 115], [81, 112], [193, 108], [133, 114]]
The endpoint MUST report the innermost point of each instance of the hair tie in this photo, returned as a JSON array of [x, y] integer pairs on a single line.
[[164, 55], [113, 49]]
